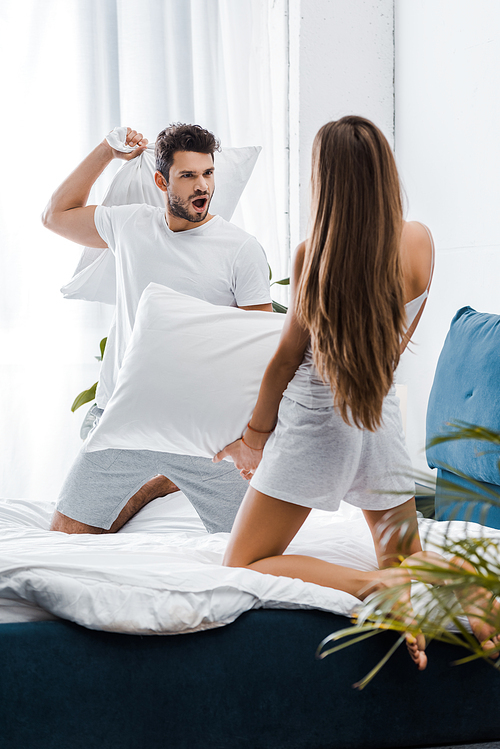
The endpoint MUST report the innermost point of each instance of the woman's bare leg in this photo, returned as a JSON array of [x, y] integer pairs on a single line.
[[395, 533], [263, 529], [395, 537]]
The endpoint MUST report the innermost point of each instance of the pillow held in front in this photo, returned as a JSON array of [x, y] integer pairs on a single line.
[[190, 376]]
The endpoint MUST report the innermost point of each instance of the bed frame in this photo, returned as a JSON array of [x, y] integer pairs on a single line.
[[254, 684]]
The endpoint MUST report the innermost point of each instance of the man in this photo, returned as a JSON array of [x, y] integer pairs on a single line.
[[189, 250]]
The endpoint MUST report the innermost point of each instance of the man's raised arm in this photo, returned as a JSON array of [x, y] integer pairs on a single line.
[[67, 212]]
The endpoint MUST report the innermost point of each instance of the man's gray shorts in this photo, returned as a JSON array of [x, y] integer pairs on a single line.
[[100, 484]]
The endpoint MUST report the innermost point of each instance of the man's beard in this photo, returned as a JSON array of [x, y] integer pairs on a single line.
[[180, 208]]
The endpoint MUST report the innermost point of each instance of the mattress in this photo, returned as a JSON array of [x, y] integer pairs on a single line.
[[162, 573]]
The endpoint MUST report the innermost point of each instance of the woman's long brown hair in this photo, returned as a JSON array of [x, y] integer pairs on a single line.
[[350, 293]]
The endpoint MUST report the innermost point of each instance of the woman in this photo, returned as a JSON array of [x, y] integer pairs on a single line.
[[327, 425]]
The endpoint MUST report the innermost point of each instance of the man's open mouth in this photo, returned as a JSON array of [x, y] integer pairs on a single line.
[[200, 204]]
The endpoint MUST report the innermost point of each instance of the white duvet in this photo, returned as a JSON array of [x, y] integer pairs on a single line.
[[162, 573]]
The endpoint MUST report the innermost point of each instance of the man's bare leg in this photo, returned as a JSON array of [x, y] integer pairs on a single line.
[[159, 486]]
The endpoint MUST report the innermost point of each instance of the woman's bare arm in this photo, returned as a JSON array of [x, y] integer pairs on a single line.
[[278, 374]]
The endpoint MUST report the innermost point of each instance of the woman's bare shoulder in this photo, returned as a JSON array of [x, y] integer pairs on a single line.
[[417, 256], [415, 231], [298, 258], [300, 250]]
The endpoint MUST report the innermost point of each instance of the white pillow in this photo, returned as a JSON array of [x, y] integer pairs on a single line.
[[94, 278], [190, 376]]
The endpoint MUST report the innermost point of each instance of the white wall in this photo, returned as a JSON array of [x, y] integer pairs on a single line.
[[448, 152], [441, 97], [341, 62]]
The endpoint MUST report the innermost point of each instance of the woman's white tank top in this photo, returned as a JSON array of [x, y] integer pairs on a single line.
[[307, 388]]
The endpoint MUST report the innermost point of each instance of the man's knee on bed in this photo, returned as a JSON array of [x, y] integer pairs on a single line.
[[159, 486], [64, 524]]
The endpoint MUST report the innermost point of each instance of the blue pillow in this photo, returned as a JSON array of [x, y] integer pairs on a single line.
[[466, 388]]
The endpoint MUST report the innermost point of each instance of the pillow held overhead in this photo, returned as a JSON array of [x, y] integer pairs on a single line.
[[190, 376], [94, 278]]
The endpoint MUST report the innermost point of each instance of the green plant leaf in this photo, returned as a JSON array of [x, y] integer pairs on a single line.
[[282, 282], [277, 307], [369, 676], [84, 397], [439, 605], [359, 633], [462, 430], [367, 630], [444, 593], [102, 346], [270, 272]]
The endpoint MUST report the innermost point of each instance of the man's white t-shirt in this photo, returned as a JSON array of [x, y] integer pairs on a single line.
[[217, 262]]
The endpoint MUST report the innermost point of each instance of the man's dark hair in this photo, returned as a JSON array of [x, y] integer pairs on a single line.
[[181, 137]]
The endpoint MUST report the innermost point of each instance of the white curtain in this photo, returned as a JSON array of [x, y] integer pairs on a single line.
[[72, 70]]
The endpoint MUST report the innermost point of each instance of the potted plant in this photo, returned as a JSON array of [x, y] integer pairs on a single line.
[[469, 584]]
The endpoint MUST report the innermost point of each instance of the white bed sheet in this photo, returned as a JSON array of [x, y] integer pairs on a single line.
[[162, 573]]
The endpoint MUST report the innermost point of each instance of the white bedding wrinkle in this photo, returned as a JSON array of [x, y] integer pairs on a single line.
[[162, 574], [151, 580]]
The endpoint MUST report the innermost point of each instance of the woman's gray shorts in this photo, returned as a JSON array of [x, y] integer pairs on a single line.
[[314, 459]]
